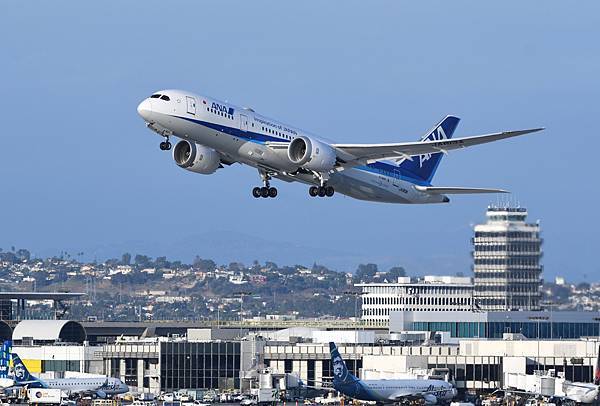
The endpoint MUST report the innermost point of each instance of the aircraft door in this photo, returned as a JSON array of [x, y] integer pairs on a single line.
[[243, 122], [396, 178], [191, 105]]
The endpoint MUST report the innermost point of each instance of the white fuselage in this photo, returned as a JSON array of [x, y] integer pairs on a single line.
[[109, 386], [241, 135], [387, 388], [581, 392]]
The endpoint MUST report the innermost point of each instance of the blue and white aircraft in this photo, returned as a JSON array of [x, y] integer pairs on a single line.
[[215, 133], [431, 391], [101, 387]]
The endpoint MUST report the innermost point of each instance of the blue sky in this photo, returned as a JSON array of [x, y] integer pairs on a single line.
[[80, 171]]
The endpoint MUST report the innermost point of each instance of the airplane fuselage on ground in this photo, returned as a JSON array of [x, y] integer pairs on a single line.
[[216, 133]]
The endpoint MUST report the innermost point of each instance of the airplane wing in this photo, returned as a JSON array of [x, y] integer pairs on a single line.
[[444, 190], [354, 154], [403, 394]]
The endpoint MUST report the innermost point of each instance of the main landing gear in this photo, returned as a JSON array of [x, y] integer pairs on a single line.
[[266, 190], [165, 145], [321, 191]]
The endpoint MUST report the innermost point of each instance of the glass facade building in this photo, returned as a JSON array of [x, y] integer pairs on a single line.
[[495, 329], [199, 365]]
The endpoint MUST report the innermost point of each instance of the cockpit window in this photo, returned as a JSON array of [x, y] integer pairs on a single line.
[[155, 96], [165, 97]]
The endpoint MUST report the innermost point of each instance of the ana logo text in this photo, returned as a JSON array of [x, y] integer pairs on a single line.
[[222, 108], [437, 135]]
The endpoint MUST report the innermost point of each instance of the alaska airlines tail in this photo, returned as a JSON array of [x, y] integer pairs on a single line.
[[5, 358], [597, 371], [423, 167], [341, 375], [22, 375]]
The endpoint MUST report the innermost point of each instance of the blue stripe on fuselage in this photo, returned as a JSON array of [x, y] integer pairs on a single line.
[[247, 135], [381, 168]]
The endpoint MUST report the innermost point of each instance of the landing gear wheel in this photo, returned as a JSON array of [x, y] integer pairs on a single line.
[[273, 192], [165, 146], [264, 191], [256, 192], [168, 145], [329, 191], [321, 191], [313, 191]]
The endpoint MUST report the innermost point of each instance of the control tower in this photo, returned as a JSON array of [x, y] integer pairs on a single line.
[[506, 261]]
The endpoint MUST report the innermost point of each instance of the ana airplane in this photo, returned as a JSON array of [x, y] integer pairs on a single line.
[[101, 387], [215, 133], [387, 390]]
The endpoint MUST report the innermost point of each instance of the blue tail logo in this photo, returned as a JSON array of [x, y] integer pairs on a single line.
[[340, 371], [425, 166], [22, 374], [5, 358]]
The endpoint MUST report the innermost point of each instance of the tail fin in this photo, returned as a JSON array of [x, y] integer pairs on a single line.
[[5, 358], [21, 372], [597, 371], [341, 375], [423, 167]]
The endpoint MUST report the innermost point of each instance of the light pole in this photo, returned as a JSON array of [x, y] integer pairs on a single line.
[[538, 319], [551, 305], [356, 295], [241, 296]]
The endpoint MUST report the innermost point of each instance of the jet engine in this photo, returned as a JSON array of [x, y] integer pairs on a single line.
[[311, 154], [196, 158], [430, 399]]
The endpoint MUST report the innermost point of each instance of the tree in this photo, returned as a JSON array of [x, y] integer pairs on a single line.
[[365, 272], [204, 264], [126, 258], [142, 260], [394, 273], [583, 286], [161, 262], [23, 254]]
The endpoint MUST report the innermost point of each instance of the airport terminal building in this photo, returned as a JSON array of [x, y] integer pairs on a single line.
[[218, 359]]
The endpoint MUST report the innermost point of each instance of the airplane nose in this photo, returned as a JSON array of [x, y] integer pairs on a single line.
[[144, 109]]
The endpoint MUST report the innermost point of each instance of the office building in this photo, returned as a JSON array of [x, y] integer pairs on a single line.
[[429, 293]]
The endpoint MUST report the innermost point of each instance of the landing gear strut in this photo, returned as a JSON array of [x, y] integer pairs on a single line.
[[266, 190], [165, 145], [321, 191]]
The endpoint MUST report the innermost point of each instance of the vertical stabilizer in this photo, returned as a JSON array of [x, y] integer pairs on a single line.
[[5, 358], [22, 375], [341, 375], [423, 167]]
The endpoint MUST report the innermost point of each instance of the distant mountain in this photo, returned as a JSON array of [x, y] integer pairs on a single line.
[[225, 247]]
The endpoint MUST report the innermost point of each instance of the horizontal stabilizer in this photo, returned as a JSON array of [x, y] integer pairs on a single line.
[[434, 190]]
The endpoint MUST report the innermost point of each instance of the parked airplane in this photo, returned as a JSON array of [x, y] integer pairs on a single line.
[[5, 380], [215, 133], [584, 392], [564, 391], [387, 390], [101, 387]]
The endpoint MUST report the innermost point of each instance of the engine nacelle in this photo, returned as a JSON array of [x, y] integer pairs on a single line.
[[196, 158], [430, 399], [311, 154]]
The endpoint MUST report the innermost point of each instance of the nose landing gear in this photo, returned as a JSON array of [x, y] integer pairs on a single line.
[[165, 145]]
